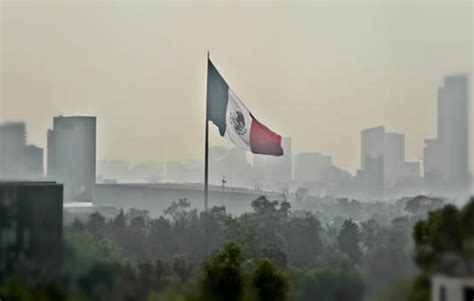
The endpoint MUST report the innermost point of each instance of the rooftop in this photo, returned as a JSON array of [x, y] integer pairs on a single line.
[[189, 186], [27, 183]]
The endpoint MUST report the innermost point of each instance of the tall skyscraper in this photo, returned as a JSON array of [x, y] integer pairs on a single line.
[[375, 143], [372, 144], [72, 156], [17, 159], [446, 158]]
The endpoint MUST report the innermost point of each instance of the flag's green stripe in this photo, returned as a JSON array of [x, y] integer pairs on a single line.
[[217, 97]]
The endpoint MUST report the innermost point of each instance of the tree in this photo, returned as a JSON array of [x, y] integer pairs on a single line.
[[443, 245], [269, 283], [262, 206], [420, 205], [441, 234], [336, 284], [302, 235], [177, 210], [96, 222], [223, 278], [182, 268], [120, 221], [100, 282], [16, 290], [348, 240], [276, 255]]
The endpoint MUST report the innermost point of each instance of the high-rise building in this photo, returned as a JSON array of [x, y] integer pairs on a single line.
[[370, 180], [34, 159], [372, 144], [375, 143], [383, 155], [316, 174], [446, 158], [12, 143], [17, 159], [72, 156], [30, 226], [309, 167]]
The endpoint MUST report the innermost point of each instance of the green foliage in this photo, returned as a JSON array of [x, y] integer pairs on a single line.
[[343, 284], [387, 255], [101, 282], [136, 257], [467, 225], [302, 235], [276, 255], [348, 240], [120, 220], [420, 290], [444, 244], [446, 231], [169, 294], [182, 268], [396, 290], [223, 277], [17, 290], [85, 249], [420, 205], [269, 283]]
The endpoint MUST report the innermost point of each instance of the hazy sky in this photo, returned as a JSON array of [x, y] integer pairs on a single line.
[[316, 71]]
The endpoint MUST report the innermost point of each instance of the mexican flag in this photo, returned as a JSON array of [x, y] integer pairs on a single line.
[[234, 120]]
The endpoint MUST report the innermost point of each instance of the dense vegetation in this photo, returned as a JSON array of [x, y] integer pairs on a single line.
[[444, 244], [271, 253]]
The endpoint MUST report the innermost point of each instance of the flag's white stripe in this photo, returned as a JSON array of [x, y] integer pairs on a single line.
[[238, 122]]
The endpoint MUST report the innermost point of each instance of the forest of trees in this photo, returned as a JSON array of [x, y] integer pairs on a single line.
[[271, 253]]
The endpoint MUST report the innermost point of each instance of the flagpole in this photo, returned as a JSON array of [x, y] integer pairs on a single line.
[[206, 151]]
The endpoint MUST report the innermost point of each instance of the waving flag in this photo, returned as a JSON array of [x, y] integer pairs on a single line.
[[234, 120]]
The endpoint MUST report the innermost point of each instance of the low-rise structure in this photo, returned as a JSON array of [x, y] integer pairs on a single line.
[[445, 288], [157, 197]]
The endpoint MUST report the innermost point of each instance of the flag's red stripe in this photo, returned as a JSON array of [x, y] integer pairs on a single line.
[[263, 140]]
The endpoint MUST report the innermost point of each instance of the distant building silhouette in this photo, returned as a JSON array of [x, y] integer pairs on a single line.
[[30, 226], [229, 164], [384, 172], [282, 167], [157, 197], [446, 158], [17, 159], [397, 175], [114, 170], [72, 156], [316, 174], [184, 171], [275, 172], [147, 172], [371, 179], [375, 143], [309, 167]]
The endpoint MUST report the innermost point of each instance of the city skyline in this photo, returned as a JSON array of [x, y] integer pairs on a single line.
[[391, 83]]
